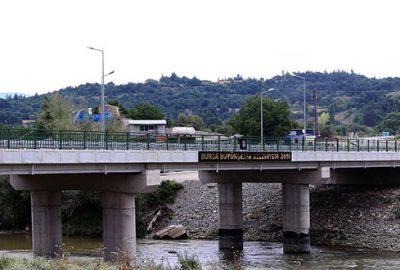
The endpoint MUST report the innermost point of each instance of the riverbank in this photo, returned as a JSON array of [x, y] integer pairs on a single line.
[[360, 217]]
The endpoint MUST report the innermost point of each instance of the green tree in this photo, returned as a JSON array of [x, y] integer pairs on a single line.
[[327, 131], [332, 113], [276, 120], [323, 119], [191, 120], [391, 123], [371, 114], [15, 206], [55, 113], [145, 111]]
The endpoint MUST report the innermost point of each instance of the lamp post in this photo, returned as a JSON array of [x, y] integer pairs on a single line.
[[102, 116], [261, 114], [304, 101]]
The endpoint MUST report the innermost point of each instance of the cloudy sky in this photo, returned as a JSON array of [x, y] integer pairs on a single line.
[[43, 43]]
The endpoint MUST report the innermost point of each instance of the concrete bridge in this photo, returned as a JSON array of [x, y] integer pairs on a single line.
[[120, 174]]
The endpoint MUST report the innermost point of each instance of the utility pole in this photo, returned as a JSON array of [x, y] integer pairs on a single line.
[[314, 112]]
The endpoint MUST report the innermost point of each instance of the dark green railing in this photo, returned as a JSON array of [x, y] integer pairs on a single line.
[[44, 139]]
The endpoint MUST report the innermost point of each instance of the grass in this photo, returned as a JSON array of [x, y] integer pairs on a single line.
[[186, 262], [47, 264]]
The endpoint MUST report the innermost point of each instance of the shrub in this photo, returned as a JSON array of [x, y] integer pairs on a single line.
[[397, 213], [164, 194], [82, 213], [15, 211], [5, 263], [187, 262], [151, 202]]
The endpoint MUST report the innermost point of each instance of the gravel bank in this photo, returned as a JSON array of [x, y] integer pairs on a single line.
[[362, 217]]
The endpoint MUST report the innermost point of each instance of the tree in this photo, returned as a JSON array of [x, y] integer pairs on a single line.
[[391, 123], [323, 119], [145, 111], [325, 129], [371, 115], [276, 120], [332, 113], [191, 120], [55, 113], [15, 206]]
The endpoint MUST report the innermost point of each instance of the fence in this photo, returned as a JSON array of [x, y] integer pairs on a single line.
[[44, 139]]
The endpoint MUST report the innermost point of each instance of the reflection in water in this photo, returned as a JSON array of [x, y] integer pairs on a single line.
[[230, 256], [255, 255]]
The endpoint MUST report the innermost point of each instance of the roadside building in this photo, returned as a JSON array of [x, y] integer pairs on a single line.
[[28, 123], [146, 126], [299, 134]]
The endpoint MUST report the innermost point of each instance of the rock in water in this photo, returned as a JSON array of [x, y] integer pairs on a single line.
[[172, 232]]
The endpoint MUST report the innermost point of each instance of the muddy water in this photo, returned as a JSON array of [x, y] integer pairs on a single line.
[[255, 255]]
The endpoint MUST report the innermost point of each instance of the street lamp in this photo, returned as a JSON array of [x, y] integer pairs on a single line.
[[262, 118], [102, 116], [304, 101]]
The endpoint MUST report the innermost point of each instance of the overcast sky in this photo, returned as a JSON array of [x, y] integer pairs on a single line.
[[43, 42]]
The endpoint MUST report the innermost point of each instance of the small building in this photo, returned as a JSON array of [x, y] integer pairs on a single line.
[[146, 126], [28, 123], [299, 133], [183, 131]]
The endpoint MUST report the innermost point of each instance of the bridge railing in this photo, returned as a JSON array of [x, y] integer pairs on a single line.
[[45, 139]]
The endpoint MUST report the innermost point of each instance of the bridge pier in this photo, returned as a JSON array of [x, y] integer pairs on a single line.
[[296, 218], [119, 228], [46, 223], [119, 225], [230, 216]]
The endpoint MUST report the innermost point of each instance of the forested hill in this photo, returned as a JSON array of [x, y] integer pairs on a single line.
[[352, 98]]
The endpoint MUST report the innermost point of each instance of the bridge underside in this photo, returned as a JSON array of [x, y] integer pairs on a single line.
[[119, 228], [295, 198], [119, 182]]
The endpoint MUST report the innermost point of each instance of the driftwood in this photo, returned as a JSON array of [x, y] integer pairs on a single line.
[[153, 221], [172, 232]]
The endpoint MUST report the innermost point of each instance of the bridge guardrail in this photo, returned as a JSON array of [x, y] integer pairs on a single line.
[[44, 139]]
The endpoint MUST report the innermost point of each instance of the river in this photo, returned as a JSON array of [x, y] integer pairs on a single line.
[[255, 255]]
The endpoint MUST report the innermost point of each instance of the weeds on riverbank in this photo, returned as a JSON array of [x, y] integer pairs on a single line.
[[187, 262]]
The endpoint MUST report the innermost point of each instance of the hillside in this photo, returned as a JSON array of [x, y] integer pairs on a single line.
[[365, 101]]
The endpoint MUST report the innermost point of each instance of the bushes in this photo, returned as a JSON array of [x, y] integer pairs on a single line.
[[15, 211], [147, 204], [164, 194], [187, 262], [81, 211]]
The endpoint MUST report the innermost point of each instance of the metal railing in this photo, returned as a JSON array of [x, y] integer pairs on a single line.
[[45, 139]]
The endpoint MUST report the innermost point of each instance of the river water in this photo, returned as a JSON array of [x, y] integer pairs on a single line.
[[255, 255]]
